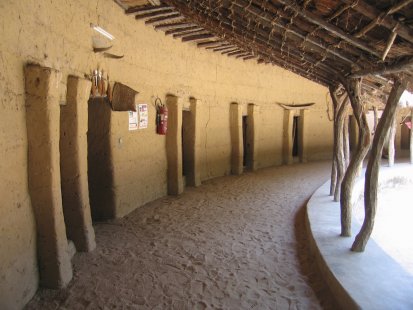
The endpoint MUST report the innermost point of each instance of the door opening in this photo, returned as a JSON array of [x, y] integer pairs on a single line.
[[295, 132], [185, 139], [405, 135], [244, 139]]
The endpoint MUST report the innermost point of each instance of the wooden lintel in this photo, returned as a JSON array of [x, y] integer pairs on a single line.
[[196, 37], [302, 106]]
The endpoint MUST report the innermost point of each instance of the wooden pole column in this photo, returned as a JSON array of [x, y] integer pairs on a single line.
[[352, 87], [42, 120], [73, 164], [391, 147], [237, 146], [174, 145], [411, 137], [346, 138], [373, 167], [333, 180], [338, 138]]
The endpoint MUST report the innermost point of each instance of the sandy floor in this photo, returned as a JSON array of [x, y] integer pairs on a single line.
[[236, 242]]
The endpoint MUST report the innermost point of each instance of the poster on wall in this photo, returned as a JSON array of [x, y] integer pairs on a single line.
[[133, 120], [143, 116]]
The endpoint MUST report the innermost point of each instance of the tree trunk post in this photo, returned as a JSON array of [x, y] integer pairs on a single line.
[[352, 87], [334, 165], [376, 118], [392, 136], [346, 137], [338, 139], [372, 173], [334, 175], [411, 137]]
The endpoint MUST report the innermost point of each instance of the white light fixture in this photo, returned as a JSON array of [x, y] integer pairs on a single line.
[[102, 31]]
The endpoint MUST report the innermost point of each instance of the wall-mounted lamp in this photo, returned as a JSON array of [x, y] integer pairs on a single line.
[[102, 31]]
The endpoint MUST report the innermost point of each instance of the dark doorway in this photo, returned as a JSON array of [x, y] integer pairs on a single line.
[[405, 135], [244, 139], [296, 119], [186, 118]]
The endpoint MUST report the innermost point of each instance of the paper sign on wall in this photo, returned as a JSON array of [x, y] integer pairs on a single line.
[[143, 116], [133, 120]]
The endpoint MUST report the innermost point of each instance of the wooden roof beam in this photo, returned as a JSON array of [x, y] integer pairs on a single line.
[[219, 46], [219, 49], [268, 20], [147, 9], [398, 6], [210, 43], [156, 13], [243, 55], [186, 27], [236, 53], [377, 21], [336, 31], [187, 33], [276, 44], [383, 70], [164, 18], [196, 37], [249, 57], [388, 21], [172, 25], [212, 25]]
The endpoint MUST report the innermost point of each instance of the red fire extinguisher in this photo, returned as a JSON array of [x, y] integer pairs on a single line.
[[161, 117]]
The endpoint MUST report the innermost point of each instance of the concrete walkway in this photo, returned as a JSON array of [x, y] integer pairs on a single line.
[[236, 242]]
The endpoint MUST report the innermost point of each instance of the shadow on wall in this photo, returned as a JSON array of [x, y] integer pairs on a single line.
[[100, 165]]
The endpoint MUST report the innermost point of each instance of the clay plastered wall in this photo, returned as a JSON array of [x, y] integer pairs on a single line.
[[57, 34]]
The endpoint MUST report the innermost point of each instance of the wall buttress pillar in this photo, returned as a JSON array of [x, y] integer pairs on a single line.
[[73, 164], [42, 120]]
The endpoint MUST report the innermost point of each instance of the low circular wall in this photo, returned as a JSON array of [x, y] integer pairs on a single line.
[[368, 280]]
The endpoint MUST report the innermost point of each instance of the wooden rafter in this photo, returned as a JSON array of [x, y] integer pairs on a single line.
[[163, 18], [147, 9], [402, 66], [182, 28], [387, 21], [313, 18], [189, 33], [197, 37], [155, 13]]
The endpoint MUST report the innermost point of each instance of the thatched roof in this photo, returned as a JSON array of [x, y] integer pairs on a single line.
[[322, 40]]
